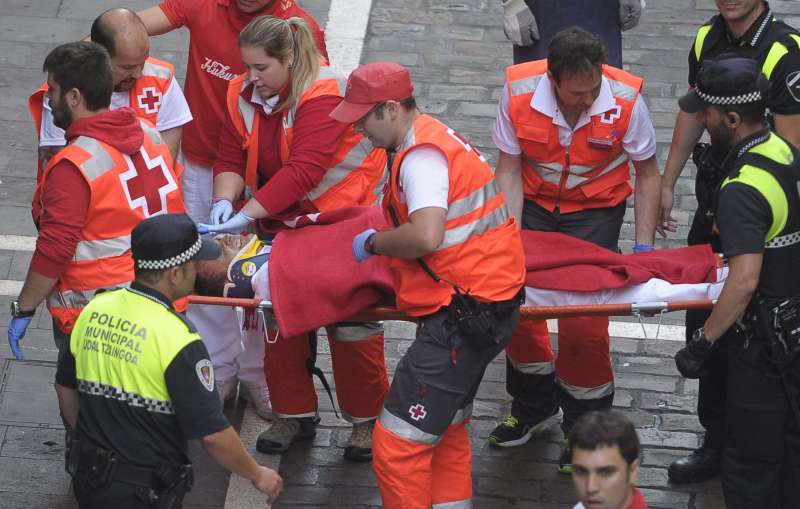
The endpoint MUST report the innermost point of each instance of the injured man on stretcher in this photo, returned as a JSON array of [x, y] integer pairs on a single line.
[[310, 277]]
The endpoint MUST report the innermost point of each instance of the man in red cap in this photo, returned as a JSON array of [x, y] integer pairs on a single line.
[[458, 265]]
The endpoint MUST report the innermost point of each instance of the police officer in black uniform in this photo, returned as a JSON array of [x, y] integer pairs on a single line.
[[746, 28], [758, 217], [142, 379]]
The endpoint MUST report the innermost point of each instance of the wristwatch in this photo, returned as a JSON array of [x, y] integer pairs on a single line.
[[700, 335], [17, 312]]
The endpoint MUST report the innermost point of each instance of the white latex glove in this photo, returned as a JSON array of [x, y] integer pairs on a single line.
[[629, 13], [518, 23], [221, 211]]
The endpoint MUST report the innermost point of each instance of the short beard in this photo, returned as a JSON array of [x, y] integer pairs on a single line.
[[62, 116], [722, 138]]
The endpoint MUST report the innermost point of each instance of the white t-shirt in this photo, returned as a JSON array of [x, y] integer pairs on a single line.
[[639, 141], [424, 180], [174, 112]]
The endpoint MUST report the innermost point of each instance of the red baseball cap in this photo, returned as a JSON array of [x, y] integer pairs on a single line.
[[372, 84]]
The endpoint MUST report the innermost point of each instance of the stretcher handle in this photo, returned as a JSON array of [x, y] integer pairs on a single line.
[[229, 301]]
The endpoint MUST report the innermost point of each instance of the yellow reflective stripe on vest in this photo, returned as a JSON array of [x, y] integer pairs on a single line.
[[354, 159], [776, 53], [460, 234], [700, 40], [769, 187], [155, 70], [774, 149], [525, 85], [100, 161], [473, 201]]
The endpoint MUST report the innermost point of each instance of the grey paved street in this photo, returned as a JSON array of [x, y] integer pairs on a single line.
[[456, 52]]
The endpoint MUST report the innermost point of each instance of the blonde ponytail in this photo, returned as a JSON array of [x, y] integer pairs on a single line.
[[281, 39]]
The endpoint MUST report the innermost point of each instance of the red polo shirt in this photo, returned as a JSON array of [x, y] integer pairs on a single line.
[[214, 59]]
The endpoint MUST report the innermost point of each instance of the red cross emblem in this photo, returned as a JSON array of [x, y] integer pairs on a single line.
[[417, 412], [147, 183], [149, 100]]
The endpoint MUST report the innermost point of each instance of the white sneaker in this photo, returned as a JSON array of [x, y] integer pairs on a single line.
[[227, 388], [258, 395]]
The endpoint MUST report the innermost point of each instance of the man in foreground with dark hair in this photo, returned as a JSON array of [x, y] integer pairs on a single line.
[[758, 312], [567, 129], [115, 171], [605, 462], [137, 383]]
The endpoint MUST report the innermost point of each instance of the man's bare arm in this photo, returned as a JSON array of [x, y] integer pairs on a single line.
[[646, 199], [172, 137], [155, 21], [420, 236], [742, 281], [687, 133], [509, 178]]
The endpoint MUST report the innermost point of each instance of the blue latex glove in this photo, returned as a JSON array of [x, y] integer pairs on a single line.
[[234, 225], [642, 248], [221, 211], [16, 331], [360, 252]]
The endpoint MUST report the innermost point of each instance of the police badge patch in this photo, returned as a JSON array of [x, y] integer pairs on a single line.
[[205, 372], [793, 84]]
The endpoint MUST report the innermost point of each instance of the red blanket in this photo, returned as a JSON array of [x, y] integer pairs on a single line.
[[314, 280]]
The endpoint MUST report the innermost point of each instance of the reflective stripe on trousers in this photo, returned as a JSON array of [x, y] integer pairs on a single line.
[[598, 392]]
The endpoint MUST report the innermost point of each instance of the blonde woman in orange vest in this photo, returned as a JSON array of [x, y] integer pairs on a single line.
[[458, 265], [567, 129], [280, 144]]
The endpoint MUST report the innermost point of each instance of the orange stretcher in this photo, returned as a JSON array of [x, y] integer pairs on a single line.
[[526, 312]]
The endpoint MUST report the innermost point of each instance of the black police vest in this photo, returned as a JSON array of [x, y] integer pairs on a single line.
[[775, 31], [780, 270]]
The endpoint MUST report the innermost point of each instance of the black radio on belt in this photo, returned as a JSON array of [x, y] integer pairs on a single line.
[[473, 320], [787, 322]]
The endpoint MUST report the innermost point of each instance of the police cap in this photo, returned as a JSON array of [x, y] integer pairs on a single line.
[[729, 80], [168, 240]]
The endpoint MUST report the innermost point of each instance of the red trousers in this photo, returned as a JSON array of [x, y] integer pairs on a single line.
[[359, 373]]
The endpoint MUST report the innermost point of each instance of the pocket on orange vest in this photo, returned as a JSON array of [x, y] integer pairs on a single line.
[[536, 134]]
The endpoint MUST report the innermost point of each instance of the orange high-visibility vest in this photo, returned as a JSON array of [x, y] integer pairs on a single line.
[[594, 171], [481, 251], [146, 96], [124, 191], [357, 171]]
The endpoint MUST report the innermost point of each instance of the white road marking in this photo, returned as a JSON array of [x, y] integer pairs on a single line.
[[345, 32]]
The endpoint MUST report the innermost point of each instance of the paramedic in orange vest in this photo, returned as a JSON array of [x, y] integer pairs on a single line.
[[115, 171], [280, 144], [458, 265], [567, 129], [145, 84]]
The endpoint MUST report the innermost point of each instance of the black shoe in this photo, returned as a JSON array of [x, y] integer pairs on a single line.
[[284, 432], [512, 432], [360, 447], [702, 464]]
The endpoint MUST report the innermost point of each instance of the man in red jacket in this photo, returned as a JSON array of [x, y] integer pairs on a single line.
[[214, 60], [115, 171]]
